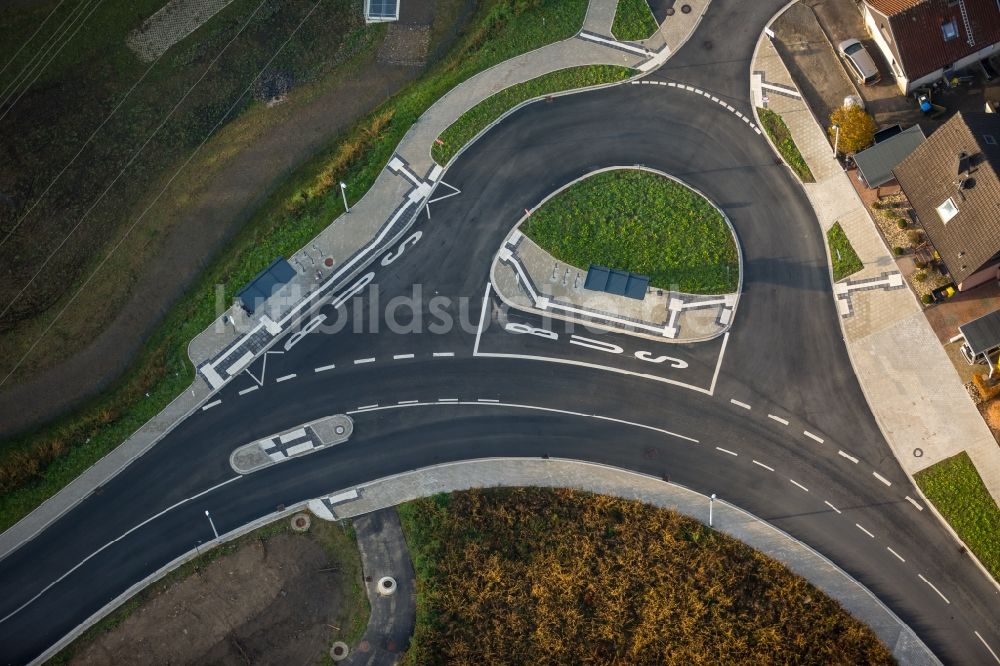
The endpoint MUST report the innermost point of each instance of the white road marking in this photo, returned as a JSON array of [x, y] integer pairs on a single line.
[[488, 400], [864, 530], [111, 543], [914, 503], [324, 368], [714, 98], [812, 436], [799, 485], [363, 408], [718, 364], [210, 405], [934, 588], [359, 361], [447, 399], [832, 506], [443, 354], [249, 390], [769, 469], [844, 454], [898, 556], [407, 402], [482, 318], [732, 453], [739, 404], [882, 478], [778, 419], [285, 378], [401, 356], [983, 641]]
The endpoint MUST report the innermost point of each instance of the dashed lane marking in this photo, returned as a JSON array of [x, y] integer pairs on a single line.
[[844, 454], [914, 503], [443, 354], [707, 95], [898, 556], [812, 436], [249, 390], [882, 478], [359, 361], [285, 378], [934, 588], [987, 645], [864, 530], [739, 404], [210, 405], [324, 368], [832, 506], [487, 400], [732, 453], [363, 408], [778, 419], [407, 402], [447, 399], [769, 469], [799, 485], [398, 357]]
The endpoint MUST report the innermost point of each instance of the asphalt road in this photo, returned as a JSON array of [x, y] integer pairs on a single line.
[[783, 357]]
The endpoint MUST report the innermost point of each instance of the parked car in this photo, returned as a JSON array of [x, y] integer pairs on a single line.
[[859, 61]]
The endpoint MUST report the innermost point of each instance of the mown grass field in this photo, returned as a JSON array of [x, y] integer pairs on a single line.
[[639, 221], [473, 121], [782, 138], [37, 465], [633, 21], [956, 489], [844, 259], [539, 576]]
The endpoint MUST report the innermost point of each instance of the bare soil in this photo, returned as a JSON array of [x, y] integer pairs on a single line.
[[283, 600]]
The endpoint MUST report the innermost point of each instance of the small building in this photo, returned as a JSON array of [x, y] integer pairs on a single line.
[[381, 11], [982, 339], [875, 164], [953, 186], [924, 40], [265, 284]]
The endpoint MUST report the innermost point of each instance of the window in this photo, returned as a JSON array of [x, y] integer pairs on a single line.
[[947, 210], [949, 30]]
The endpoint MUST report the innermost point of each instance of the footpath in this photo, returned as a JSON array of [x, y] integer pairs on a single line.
[[917, 398], [329, 263]]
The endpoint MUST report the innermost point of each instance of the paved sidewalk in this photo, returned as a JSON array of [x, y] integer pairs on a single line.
[[337, 256], [729, 519], [912, 388]]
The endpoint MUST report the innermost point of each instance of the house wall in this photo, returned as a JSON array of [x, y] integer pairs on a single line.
[[972, 59], [872, 21], [982, 276]]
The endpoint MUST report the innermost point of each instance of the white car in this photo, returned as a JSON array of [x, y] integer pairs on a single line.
[[860, 61]]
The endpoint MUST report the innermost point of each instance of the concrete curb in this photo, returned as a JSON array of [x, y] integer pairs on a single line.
[[547, 313], [850, 352]]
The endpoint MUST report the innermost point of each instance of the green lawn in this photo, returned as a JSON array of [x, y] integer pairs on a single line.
[[955, 488], [845, 260], [36, 466], [642, 222], [633, 21], [470, 123], [782, 138]]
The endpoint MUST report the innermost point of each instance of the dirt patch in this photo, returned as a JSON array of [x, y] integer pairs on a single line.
[[405, 45], [284, 599]]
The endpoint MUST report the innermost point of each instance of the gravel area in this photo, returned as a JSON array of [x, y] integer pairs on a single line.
[[890, 210]]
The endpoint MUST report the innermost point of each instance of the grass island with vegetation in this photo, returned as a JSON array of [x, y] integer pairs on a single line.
[[634, 21], [640, 221], [540, 576]]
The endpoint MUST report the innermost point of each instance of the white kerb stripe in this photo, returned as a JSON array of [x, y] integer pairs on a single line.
[[211, 404], [882, 478]]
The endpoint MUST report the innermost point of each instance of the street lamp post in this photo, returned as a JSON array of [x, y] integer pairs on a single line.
[[711, 502], [343, 192], [836, 139], [216, 532]]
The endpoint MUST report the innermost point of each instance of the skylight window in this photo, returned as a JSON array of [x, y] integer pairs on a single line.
[[947, 210], [949, 30]]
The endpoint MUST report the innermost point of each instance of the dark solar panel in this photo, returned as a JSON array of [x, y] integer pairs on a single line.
[[263, 286], [619, 283]]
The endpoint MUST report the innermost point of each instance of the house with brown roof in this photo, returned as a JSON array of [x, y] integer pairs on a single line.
[[923, 40], [952, 181]]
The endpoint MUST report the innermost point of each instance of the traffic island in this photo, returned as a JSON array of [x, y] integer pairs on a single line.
[[293, 443], [625, 225]]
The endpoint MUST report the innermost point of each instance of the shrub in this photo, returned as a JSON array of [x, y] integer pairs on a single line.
[[898, 251], [920, 264], [857, 129], [878, 205], [900, 222], [915, 236], [920, 276], [926, 299]]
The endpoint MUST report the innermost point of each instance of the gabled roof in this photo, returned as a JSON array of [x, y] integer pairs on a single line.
[[930, 176], [916, 29], [876, 163]]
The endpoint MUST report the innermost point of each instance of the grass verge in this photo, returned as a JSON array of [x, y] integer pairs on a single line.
[[782, 138], [36, 466], [634, 21], [955, 488], [339, 544], [531, 575], [842, 255], [639, 221], [473, 121]]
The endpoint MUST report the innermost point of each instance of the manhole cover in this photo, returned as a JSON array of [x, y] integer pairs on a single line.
[[339, 430], [707, 44], [328, 262], [339, 651], [670, 11], [685, 9], [918, 453], [386, 586]]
